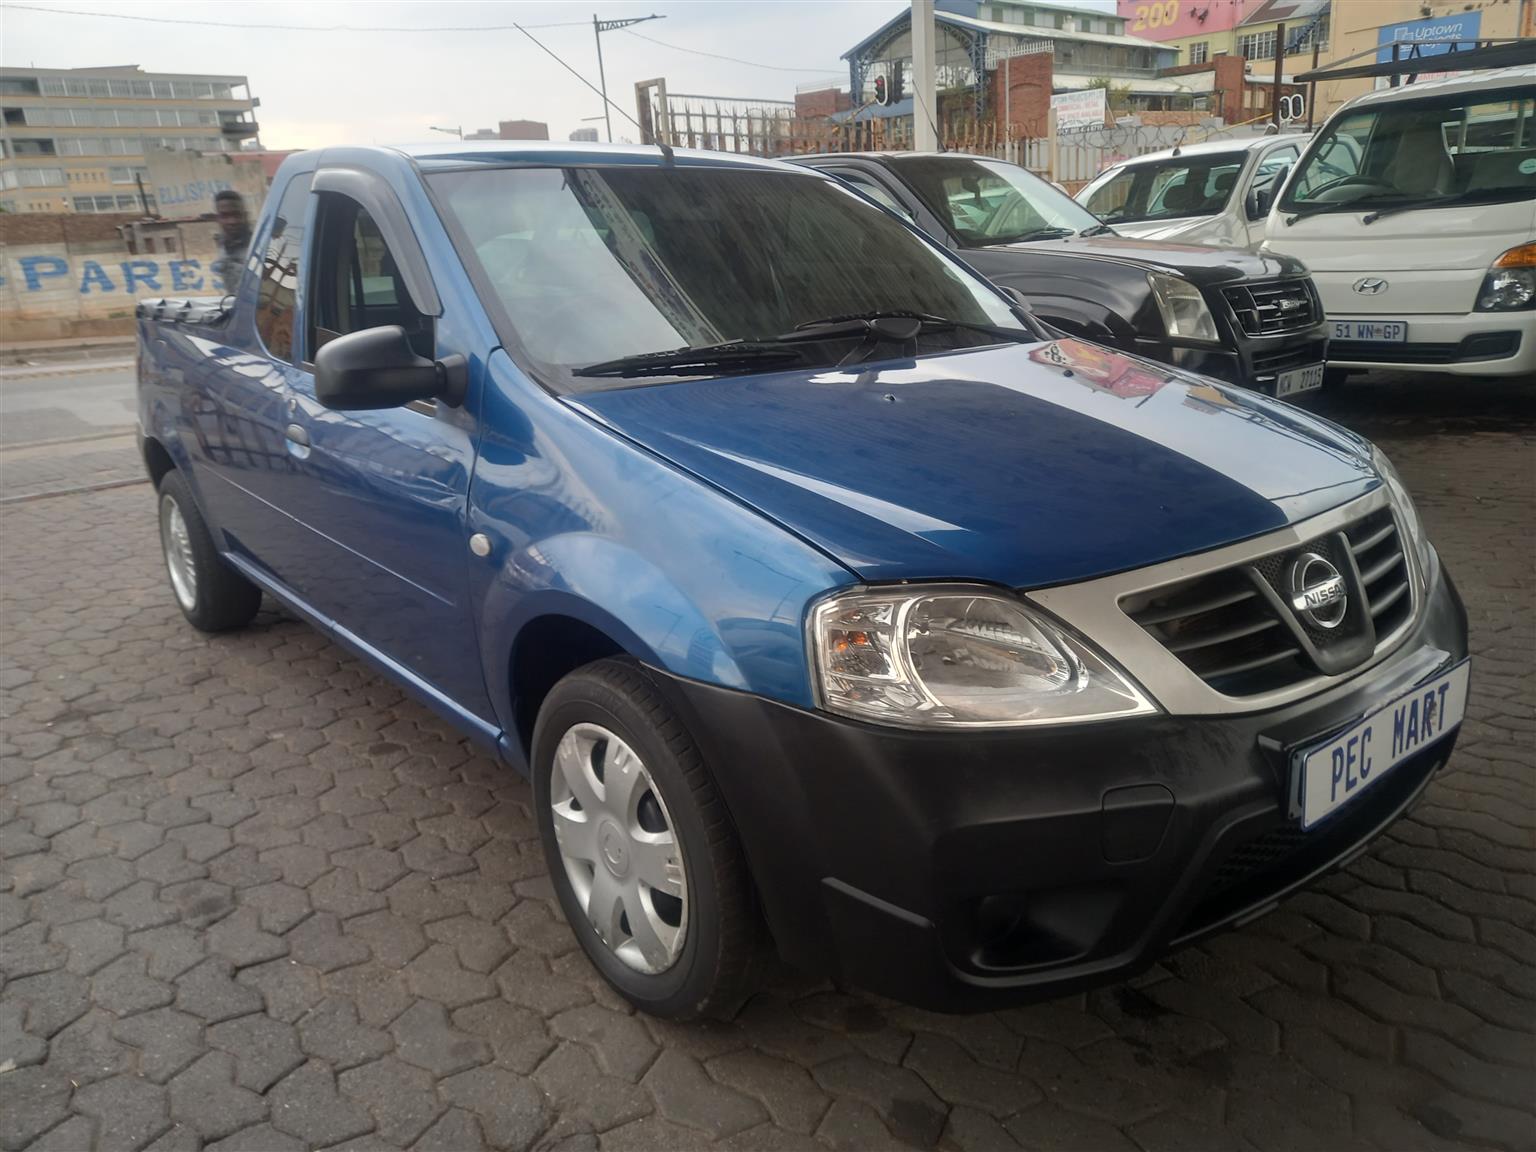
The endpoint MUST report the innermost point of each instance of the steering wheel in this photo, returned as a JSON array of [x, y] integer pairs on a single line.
[[1354, 181]]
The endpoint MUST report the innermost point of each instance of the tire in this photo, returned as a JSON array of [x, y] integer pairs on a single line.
[[602, 718], [212, 595]]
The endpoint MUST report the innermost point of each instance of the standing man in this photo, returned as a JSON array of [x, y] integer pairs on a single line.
[[234, 238]]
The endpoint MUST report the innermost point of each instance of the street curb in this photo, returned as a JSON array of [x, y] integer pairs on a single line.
[[6, 501]]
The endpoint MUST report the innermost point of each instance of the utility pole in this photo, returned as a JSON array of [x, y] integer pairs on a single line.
[[1274, 96], [925, 131], [598, 28]]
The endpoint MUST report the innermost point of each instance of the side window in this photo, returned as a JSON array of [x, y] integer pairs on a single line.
[[278, 295], [874, 190], [1278, 160], [356, 281]]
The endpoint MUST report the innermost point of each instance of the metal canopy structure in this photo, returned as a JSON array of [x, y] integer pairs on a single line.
[[1478, 55]]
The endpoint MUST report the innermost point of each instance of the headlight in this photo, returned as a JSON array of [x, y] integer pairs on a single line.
[[1511, 282], [1407, 513], [951, 656], [1184, 312]]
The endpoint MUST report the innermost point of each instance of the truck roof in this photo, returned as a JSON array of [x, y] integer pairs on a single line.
[[1491, 81], [457, 154]]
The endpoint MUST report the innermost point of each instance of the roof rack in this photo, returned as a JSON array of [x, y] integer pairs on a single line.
[[1479, 55]]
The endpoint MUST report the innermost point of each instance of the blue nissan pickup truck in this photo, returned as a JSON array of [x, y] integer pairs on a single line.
[[824, 595]]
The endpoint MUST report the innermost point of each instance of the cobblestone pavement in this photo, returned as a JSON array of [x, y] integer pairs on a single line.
[[253, 898]]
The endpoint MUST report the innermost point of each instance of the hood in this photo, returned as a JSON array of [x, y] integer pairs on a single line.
[[1205, 230], [1026, 465], [1457, 237], [1201, 263]]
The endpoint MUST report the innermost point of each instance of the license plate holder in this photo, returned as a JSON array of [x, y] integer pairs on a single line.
[[1332, 773], [1299, 380], [1371, 331]]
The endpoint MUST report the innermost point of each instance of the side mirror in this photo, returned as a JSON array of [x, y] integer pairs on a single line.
[[1262, 196], [377, 368]]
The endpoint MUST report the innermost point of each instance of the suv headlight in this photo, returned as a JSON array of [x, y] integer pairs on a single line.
[[1407, 514], [1511, 282], [1184, 310], [952, 656]]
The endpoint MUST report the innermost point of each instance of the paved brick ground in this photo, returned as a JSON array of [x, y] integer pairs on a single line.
[[252, 898]]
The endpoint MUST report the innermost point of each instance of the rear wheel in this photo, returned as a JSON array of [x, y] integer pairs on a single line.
[[643, 857], [211, 594]]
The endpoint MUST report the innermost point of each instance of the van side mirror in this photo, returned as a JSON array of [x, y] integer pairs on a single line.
[[378, 368]]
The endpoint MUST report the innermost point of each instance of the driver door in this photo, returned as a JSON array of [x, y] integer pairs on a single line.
[[384, 493]]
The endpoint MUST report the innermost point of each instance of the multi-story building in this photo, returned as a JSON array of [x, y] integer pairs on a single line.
[[78, 139], [585, 135], [976, 41]]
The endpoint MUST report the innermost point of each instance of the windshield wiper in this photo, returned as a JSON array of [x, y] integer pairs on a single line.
[[733, 354], [862, 323], [895, 324], [1469, 196], [1099, 229], [1037, 234]]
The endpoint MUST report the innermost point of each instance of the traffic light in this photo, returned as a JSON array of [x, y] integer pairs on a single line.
[[882, 91]]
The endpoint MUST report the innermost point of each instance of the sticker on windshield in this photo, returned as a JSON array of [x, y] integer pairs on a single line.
[[1528, 166]]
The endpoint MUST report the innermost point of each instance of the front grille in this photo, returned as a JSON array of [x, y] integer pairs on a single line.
[[1281, 360], [1235, 628], [1393, 353], [1266, 865], [1482, 346], [1378, 554], [1272, 307]]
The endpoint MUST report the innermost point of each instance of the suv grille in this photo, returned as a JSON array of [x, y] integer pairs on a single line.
[[1268, 309], [1237, 630]]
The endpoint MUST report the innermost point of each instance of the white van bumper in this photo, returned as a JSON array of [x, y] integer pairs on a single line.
[[1465, 344]]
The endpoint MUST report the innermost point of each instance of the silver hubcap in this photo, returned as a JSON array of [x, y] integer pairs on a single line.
[[620, 852], [178, 553]]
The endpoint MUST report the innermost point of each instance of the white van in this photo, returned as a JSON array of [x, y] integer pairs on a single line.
[[1415, 210], [1215, 192]]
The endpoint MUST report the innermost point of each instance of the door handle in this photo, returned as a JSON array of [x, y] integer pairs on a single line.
[[298, 441]]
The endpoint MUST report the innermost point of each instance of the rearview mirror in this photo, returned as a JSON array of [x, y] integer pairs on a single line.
[[377, 368]]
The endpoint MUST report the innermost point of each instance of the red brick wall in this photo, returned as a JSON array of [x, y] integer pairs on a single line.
[[60, 227], [1229, 84], [821, 103], [1021, 89]]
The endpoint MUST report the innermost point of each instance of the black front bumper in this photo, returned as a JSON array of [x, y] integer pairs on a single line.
[[961, 871], [1249, 361]]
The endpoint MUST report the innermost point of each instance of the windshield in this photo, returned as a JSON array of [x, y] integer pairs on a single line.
[[598, 264], [991, 201], [1467, 147], [1167, 189]]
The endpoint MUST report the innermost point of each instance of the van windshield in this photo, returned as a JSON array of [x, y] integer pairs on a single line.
[[590, 265], [1470, 147], [1168, 189]]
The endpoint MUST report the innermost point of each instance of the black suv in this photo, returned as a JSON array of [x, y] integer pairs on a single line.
[[1249, 318]]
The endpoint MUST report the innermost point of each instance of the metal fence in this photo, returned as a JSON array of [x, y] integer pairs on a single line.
[[772, 128]]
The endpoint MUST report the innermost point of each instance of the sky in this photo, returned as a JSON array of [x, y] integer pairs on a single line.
[[364, 87]]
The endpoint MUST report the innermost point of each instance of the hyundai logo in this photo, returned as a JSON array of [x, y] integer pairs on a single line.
[[1317, 591], [1370, 285]]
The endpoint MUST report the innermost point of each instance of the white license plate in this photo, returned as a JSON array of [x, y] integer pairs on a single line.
[[1299, 380], [1373, 331], [1337, 772]]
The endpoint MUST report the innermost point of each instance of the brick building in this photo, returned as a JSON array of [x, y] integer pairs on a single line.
[[77, 139]]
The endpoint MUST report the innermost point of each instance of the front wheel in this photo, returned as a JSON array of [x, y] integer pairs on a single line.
[[211, 594], [642, 854]]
